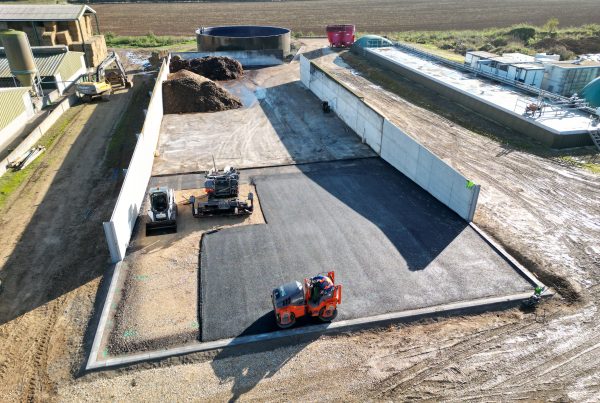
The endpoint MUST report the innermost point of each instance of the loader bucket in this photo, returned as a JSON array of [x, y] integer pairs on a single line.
[[153, 227]]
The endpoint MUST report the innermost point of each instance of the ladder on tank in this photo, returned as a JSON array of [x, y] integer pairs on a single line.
[[595, 135]]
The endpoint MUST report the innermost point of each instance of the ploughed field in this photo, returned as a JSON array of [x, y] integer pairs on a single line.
[[369, 16]]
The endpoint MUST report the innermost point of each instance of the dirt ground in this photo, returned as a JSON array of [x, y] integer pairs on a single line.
[[281, 123], [54, 254], [158, 307], [544, 209], [311, 16]]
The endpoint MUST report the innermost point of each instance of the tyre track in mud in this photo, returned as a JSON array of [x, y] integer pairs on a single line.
[[38, 376], [447, 356]]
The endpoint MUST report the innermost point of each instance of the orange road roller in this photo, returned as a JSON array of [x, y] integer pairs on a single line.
[[318, 296]]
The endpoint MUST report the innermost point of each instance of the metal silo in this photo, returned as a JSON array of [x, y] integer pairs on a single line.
[[20, 58]]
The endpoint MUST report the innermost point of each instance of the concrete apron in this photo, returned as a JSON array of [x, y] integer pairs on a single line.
[[297, 335]]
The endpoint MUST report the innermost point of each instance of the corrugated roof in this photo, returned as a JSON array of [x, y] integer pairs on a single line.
[[43, 12], [47, 63]]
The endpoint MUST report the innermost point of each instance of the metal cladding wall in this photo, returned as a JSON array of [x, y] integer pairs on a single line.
[[393, 145], [41, 129], [243, 37], [118, 230]]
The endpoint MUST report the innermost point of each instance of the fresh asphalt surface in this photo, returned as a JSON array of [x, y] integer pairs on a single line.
[[392, 245]]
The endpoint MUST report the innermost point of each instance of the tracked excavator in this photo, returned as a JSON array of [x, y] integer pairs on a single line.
[[102, 82]]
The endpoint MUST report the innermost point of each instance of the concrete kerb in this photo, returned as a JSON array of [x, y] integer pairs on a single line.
[[93, 358], [462, 307]]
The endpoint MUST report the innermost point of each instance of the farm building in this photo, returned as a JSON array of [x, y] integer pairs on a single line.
[[16, 109], [58, 68], [74, 26], [542, 71], [569, 77], [511, 66]]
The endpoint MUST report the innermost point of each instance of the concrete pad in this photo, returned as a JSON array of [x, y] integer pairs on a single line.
[[393, 247], [281, 123]]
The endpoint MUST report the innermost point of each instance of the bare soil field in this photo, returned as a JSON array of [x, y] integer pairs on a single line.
[[369, 16]]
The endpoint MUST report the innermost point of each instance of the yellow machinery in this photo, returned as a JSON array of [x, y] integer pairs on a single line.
[[105, 79]]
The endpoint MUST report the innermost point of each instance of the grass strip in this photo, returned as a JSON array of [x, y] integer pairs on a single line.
[[12, 180]]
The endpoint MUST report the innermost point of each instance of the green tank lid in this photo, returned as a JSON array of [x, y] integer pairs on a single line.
[[591, 92]]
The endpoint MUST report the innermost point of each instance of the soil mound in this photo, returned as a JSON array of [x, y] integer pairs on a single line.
[[215, 68], [187, 92]]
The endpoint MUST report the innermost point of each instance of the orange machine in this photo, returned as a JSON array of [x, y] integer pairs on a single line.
[[319, 296]]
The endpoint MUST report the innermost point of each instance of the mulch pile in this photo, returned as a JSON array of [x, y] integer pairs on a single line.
[[187, 92], [215, 68]]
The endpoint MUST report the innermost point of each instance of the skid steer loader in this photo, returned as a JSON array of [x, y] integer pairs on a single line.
[[163, 210]]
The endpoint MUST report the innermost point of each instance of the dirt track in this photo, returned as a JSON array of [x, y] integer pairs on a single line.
[[543, 209], [53, 255]]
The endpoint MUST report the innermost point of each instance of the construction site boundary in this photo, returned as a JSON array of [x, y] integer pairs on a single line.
[[118, 230], [36, 134], [394, 145]]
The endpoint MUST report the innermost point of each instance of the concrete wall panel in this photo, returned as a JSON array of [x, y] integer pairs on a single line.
[[304, 71], [118, 230], [396, 147]]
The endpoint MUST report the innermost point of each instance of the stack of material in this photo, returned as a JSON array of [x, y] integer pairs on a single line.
[[186, 92], [63, 38], [215, 68], [95, 50], [81, 30], [50, 26], [31, 34], [49, 38]]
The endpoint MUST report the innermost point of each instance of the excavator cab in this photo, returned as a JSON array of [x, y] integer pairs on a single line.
[[102, 82]]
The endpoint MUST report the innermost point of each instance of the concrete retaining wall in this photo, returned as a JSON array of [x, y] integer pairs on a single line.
[[395, 146], [508, 118], [363, 119], [37, 133], [248, 58], [118, 230]]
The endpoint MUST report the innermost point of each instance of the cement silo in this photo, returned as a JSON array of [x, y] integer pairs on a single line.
[[20, 58]]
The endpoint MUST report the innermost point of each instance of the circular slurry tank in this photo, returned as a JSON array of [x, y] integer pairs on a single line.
[[243, 37]]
